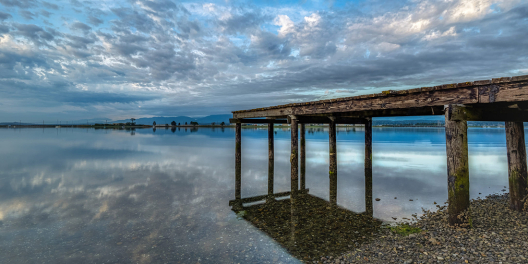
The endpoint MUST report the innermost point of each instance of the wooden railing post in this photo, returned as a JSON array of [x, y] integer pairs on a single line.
[[271, 158], [294, 157], [368, 167], [457, 167], [303, 156], [333, 160], [517, 172]]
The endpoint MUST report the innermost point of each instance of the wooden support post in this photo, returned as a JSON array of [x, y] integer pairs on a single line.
[[294, 158], [457, 168], [517, 172], [238, 163], [333, 161], [369, 208], [303, 157], [271, 158]]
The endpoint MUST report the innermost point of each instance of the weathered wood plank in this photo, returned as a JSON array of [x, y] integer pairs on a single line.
[[238, 162], [271, 158], [263, 197], [499, 90], [333, 161], [303, 156], [257, 121], [294, 157], [489, 112], [517, 171], [368, 167], [441, 97], [457, 169]]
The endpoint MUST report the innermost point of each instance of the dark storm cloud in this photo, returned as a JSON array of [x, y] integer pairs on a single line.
[[27, 14], [4, 16], [36, 34], [242, 21], [45, 13], [19, 3], [50, 5], [81, 26], [95, 21]]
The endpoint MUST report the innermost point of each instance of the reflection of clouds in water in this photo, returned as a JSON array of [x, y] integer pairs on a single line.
[[89, 197], [163, 203]]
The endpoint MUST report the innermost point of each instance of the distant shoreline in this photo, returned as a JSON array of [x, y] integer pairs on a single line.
[[218, 126]]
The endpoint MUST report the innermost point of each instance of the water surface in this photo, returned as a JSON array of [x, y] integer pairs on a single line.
[[73, 195]]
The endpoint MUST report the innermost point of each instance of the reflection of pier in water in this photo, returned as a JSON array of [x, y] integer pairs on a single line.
[[307, 226]]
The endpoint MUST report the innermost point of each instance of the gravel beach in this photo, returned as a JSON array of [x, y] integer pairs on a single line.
[[498, 235]]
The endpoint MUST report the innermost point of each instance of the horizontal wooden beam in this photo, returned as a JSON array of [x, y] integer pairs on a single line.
[[257, 121], [420, 99], [327, 120], [492, 112], [264, 197]]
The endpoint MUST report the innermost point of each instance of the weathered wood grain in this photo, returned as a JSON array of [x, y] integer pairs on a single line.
[[238, 162], [517, 171], [457, 169], [368, 167], [503, 89], [302, 132], [333, 161], [294, 156], [271, 158]]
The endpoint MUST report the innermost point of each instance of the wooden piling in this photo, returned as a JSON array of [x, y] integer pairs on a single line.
[[294, 157], [457, 168], [271, 158], [303, 156], [517, 172], [238, 161], [369, 208], [333, 160]]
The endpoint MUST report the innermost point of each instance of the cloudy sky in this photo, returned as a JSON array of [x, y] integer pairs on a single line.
[[74, 59]]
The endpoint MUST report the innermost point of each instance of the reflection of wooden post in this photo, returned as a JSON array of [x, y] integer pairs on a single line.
[[368, 167], [271, 158], [516, 164], [333, 160], [294, 158], [457, 167], [294, 219], [238, 161], [303, 157]]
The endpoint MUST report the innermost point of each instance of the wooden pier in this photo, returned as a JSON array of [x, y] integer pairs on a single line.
[[502, 99]]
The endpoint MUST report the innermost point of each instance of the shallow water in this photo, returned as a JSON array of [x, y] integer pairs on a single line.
[[74, 195]]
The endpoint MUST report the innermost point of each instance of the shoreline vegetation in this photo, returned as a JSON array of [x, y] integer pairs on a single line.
[[497, 235]]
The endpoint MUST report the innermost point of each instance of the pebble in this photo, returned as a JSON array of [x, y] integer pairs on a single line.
[[495, 237]]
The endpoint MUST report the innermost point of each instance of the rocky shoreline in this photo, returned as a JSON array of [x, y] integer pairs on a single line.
[[498, 235]]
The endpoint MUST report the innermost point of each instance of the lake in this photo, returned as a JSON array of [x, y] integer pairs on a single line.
[[74, 195]]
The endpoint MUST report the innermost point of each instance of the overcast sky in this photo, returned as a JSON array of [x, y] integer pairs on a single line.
[[73, 59]]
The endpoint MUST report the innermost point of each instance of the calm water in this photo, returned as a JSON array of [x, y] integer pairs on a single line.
[[75, 195]]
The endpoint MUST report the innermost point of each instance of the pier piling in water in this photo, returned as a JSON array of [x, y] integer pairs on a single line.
[[303, 155], [333, 160], [238, 161], [457, 167], [368, 167], [271, 158], [294, 157], [517, 173]]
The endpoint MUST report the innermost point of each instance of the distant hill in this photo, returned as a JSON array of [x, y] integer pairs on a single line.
[[180, 119]]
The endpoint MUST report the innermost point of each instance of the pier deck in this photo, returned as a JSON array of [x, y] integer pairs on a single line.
[[500, 99]]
